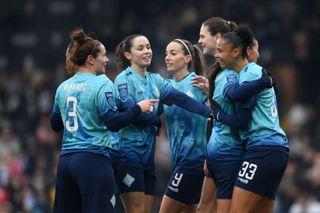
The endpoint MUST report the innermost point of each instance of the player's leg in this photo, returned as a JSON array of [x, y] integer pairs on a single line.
[[244, 201], [148, 202], [265, 205], [149, 187], [169, 205], [183, 192], [258, 180], [208, 203], [133, 202], [130, 181], [224, 174], [96, 186], [67, 195]]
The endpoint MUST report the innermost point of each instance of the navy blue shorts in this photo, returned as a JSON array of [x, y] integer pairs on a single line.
[[115, 159], [185, 185], [85, 183], [224, 174], [262, 170], [134, 176]]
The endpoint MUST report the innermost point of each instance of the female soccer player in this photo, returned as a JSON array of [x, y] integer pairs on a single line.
[[84, 108], [136, 178], [186, 131], [225, 149], [266, 151], [210, 30]]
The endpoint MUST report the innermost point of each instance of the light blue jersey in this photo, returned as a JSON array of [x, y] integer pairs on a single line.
[[186, 131], [139, 138], [114, 140], [224, 143], [82, 101], [264, 128]]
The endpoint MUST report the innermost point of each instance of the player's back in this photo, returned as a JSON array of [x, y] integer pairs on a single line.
[[264, 127], [79, 105]]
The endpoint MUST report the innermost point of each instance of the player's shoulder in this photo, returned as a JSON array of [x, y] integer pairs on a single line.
[[125, 74], [227, 75], [253, 68], [154, 75], [229, 71]]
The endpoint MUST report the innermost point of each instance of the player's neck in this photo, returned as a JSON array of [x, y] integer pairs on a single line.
[[179, 75], [87, 69], [239, 65], [140, 70]]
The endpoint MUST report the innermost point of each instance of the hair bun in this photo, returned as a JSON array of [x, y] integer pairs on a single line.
[[78, 36]]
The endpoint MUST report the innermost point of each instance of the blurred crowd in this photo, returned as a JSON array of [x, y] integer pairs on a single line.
[[34, 36]]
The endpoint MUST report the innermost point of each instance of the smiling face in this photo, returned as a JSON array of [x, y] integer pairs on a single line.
[[176, 59], [140, 54], [226, 54], [207, 41], [101, 60]]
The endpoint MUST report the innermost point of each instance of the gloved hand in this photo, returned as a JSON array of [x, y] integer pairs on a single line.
[[267, 79], [216, 110]]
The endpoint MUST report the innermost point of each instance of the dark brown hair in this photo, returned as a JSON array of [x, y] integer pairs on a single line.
[[217, 25], [82, 46], [124, 46], [197, 64]]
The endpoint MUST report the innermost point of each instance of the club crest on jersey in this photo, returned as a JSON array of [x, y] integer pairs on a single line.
[[110, 100], [232, 78], [123, 90]]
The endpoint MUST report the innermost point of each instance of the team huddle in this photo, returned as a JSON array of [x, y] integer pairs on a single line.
[[110, 128]]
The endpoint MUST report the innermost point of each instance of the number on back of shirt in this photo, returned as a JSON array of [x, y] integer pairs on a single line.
[[72, 119], [274, 110], [177, 179], [248, 170]]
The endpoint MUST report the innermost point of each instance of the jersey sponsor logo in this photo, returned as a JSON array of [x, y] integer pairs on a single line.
[[232, 78], [128, 180], [110, 99], [243, 180], [176, 190], [123, 90]]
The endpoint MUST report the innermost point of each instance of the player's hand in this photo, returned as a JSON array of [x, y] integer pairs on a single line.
[[147, 105], [201, 82]]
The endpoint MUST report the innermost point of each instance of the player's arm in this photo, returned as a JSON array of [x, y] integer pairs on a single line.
[[56, 120], [241, 118], [170, 95], [127, 100], [113, 119], [236, 92]]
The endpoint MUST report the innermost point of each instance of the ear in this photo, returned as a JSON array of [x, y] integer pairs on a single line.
[[236, 52], [90, 59], [187, 59], [127, 55]]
